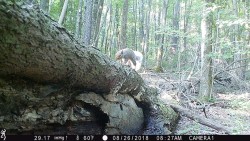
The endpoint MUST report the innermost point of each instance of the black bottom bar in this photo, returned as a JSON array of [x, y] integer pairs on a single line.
[[125, 137]]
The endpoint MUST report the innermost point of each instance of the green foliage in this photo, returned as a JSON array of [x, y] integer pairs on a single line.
[[56, 9]]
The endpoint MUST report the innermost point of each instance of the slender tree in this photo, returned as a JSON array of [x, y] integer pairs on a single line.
[[104, 27], [78, 19], [235, 39], [161, 47], [176, 12], [247, 38], [141, 24], [63, 13], [134, 43], [147, 33], [188, 4], [206, 78], [88, 4], [96, 29], [124, 24]]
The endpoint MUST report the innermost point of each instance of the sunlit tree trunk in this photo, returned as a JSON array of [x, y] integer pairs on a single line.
[[108, 32], [188, 5], [247, 37], [206, 79], [124, 24], [238, 56], [96, 30], [116, 26], [162, 41], [104, 27], [147, 33], [134, 44], [141, 24], [87, 34], [175, 36], [78, 19], [63, 13]]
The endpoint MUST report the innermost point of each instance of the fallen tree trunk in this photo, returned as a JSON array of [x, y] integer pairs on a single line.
[[34, 46], [199, 119], [35, 50], [48, 78]]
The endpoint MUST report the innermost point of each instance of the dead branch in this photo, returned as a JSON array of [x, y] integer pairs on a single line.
[[227, 68], [200, 119]]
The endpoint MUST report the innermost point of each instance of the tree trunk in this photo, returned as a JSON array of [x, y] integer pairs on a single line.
[[55, 57], [63, 13], [87, 35], [108, 32], [42, 56], [188, 5], [236, 38], [141, 25], [78, 19], [98, 21], [49, 79], [247, 39], [206, 48], [116, 26], [95, 9], [160, 48], [123, 34], [134, 43], [104, 27], [146, 38], [175, 37]]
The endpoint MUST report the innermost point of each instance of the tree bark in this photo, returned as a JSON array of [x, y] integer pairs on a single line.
[[98, 21], [41, 50], [188, 5], [206, 48], [236, 37], [124, 24], [134, 43], [104, 26], [147, 36], [161, 47], [176, 14], [141, 25], [247, 38], [78, 19], [87, 35]]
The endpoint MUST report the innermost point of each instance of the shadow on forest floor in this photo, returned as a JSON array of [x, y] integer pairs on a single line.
[[230, 108]]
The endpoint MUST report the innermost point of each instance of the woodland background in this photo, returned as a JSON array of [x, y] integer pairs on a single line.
[[189, 38]]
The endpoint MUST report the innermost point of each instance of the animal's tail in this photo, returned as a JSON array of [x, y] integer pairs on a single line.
[[139, 58]]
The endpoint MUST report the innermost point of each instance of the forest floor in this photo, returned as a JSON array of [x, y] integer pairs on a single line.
[[230, 108]]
